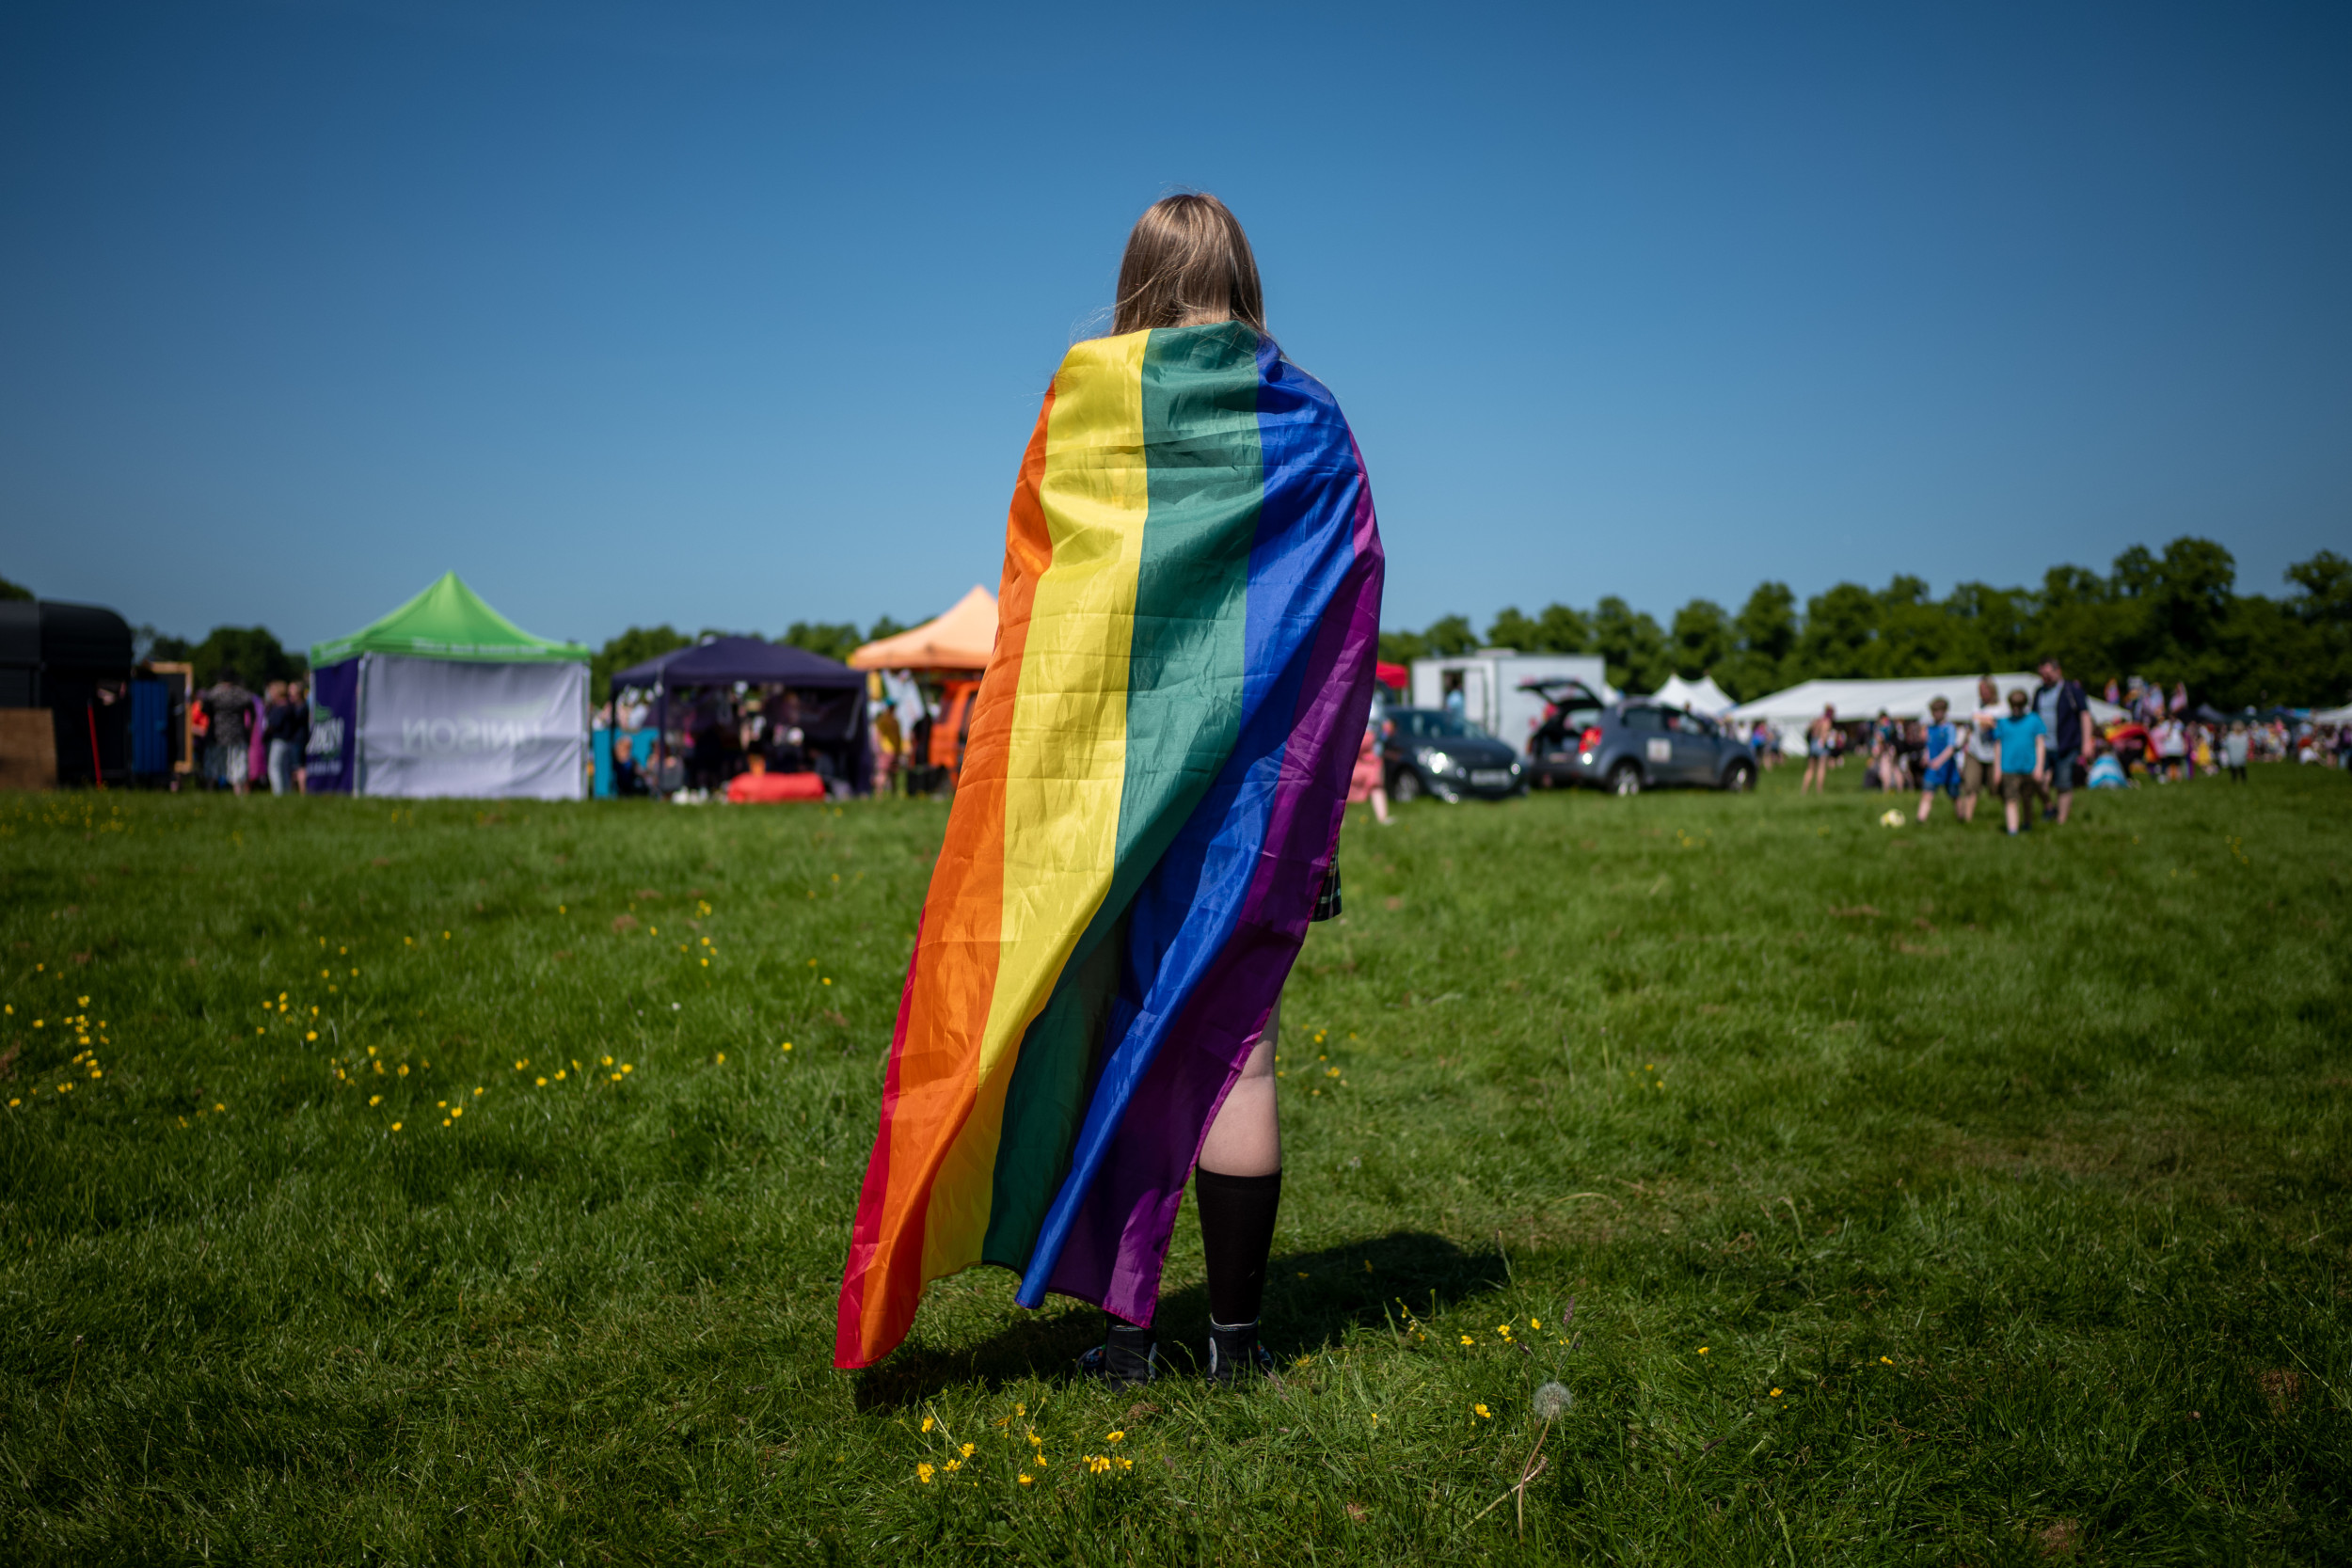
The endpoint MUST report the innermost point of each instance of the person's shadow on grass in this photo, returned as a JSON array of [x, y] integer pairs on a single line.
[[1311, 1300]]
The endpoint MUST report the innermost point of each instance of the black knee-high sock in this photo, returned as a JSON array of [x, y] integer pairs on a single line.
[[1236, 1235]]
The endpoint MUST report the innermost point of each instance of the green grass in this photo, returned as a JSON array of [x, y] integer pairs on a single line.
[[2018, 1167]]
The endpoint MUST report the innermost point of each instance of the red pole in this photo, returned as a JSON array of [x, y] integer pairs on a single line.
[[98, 774]]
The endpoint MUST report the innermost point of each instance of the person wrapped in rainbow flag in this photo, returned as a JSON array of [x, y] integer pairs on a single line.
[[1151, 800]]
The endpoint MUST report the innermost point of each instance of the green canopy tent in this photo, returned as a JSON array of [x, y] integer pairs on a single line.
[[446, 696]]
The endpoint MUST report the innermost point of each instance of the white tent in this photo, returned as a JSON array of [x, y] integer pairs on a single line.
[[1700, 696], [1789, 712], [2334, 716]]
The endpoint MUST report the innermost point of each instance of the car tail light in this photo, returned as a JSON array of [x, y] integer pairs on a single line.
[[1590, 739]]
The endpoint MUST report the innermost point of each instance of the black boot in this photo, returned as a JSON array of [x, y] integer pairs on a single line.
[[1128, 1356], [1235, 1354]]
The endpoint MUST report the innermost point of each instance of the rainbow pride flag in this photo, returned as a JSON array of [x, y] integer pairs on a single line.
[[1151, 795]]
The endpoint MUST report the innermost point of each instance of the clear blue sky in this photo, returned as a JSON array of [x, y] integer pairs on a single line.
[[692, 314]]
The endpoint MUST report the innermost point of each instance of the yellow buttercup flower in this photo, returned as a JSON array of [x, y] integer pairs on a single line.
[[924, 1473], [1484, 1414], [965, 1450]]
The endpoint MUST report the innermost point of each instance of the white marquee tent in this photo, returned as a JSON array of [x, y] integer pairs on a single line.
[[1789, 712], [1700, 696]]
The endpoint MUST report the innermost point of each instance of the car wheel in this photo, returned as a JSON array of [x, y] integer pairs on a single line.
[[1625, 779], [1739, 778], [1408, 786]]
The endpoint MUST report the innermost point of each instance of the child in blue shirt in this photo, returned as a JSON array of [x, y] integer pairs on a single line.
[[1942, 762], [2025, 742]]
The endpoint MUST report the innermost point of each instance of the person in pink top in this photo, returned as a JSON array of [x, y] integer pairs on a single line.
[[1369, 782]]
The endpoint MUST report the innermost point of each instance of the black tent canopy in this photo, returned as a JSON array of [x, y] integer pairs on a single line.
[[724, 660]]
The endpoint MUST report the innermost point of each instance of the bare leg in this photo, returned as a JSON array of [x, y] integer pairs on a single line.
[[1246, 1139], [1379, 804]]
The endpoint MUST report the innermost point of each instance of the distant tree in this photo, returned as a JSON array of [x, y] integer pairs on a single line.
[[253, 654], [1632, 646], [1513, 629], [1991, 628], [162, 648], [1450, 636], [1562, 630], [1913, 634], [1557, 631], [1764, 637], [1840, 628], [888, 626], [1402, 647], [2323, 609], [13, 591], [835, 640], [633, 646], [1701, 639], [2326, 581]]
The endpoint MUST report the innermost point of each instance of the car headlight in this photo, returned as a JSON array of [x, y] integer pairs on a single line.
[[1437, 762]]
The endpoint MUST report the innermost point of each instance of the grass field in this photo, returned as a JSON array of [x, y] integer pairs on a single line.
[[445, 1190]]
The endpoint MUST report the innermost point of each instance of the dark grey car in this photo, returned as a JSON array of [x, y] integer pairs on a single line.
[[1632, 745], [1431, 751]]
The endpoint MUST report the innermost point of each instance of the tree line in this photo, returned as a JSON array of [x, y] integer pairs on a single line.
[[2174, 617]]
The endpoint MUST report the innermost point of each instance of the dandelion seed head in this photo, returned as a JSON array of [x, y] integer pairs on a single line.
[[1551, 1401]]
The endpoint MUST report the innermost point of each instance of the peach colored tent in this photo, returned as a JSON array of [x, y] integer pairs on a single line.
[[959, 639]]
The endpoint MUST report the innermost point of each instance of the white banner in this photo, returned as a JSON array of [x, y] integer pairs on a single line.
[[435, 726]]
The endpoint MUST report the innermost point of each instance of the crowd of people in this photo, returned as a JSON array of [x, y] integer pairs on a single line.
[[2032, 749], [244, 738]]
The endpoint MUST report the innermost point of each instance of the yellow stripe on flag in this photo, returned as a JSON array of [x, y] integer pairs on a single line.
[[1067, 764]]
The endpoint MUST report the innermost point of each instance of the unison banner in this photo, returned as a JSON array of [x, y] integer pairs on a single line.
[[334, 704], [431, 726]]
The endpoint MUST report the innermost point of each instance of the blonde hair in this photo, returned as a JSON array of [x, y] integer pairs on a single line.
[[1187, 260]]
